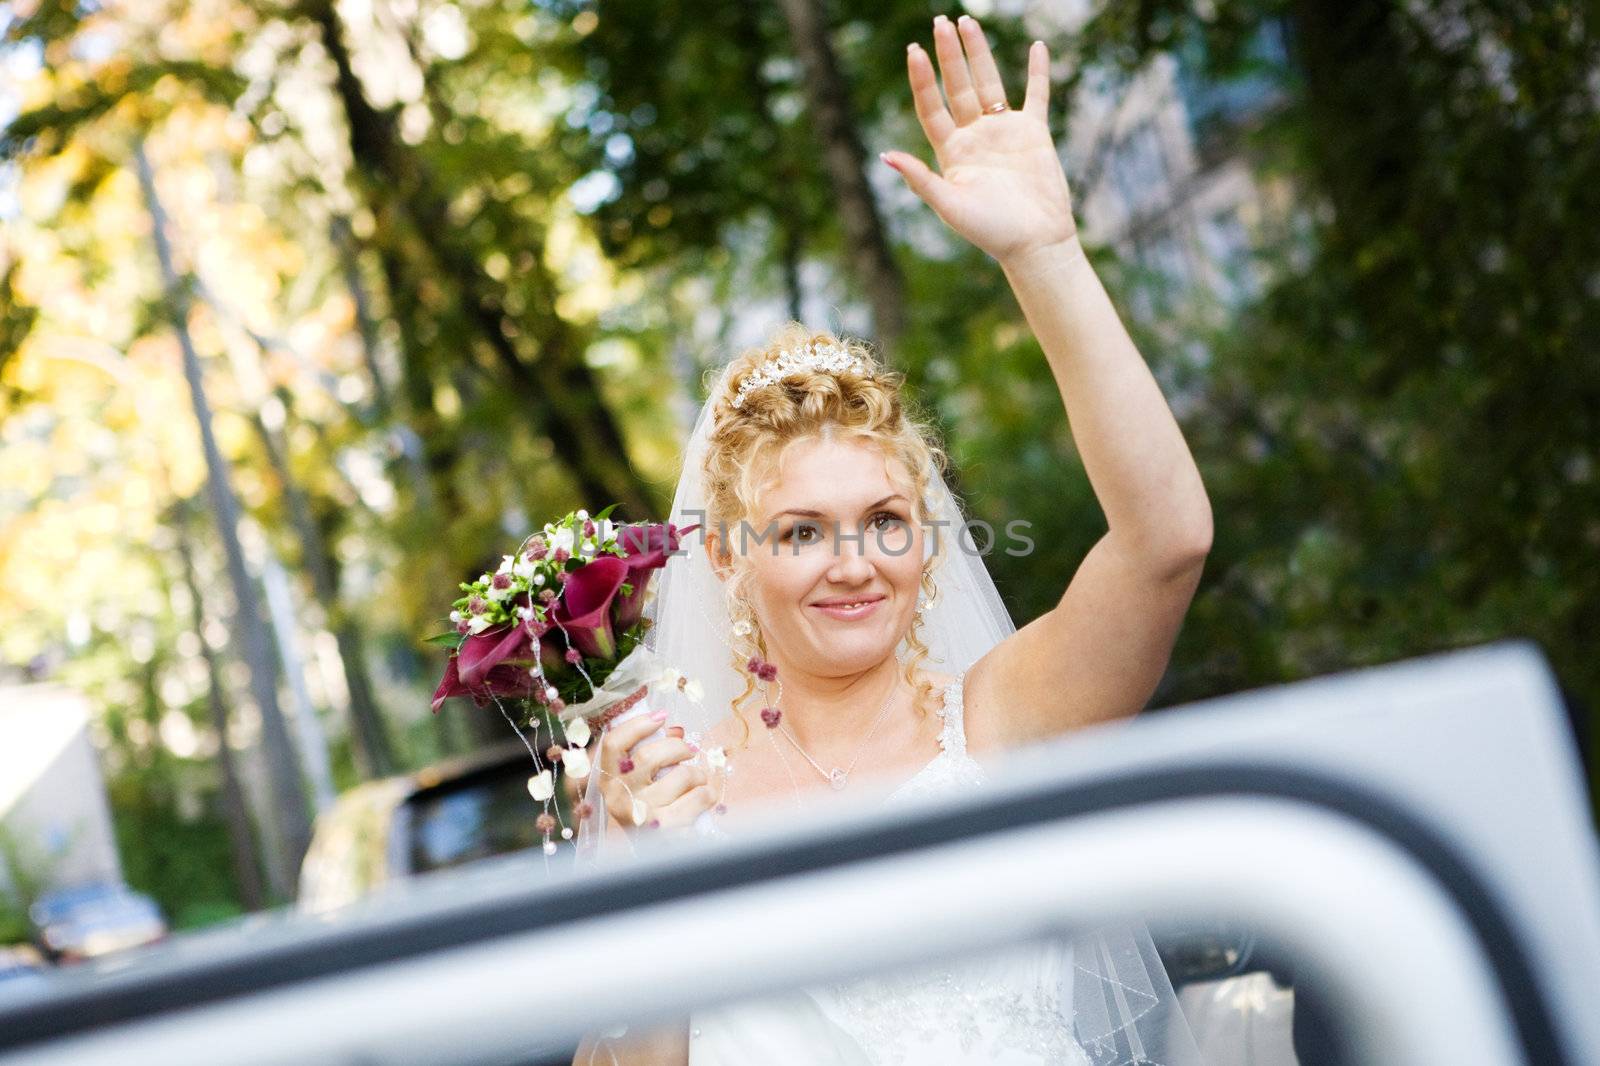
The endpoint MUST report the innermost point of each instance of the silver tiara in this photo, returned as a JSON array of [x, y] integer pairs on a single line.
[[812, 356]]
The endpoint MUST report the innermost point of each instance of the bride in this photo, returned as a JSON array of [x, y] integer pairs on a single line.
[[846, 638]]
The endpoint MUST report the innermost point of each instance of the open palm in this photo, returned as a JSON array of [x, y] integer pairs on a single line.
[[1000, 183]]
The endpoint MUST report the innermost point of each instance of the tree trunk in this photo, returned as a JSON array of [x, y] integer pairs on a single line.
[[435, 451], [344, 240], [406, 440], [786, 218], [845, 159], [314, 762], [557, 388], [373, 750], [291, 821], [235, 809]]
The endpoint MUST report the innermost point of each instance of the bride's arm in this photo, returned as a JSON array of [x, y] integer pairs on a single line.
[[667, 1046], [1100, 652]]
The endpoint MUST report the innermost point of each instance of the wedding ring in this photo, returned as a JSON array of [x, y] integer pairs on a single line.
[[996, 108]]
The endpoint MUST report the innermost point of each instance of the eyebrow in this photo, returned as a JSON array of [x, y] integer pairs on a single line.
[[805, 513]]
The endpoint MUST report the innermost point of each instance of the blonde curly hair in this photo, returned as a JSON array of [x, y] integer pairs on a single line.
[[747, 442]]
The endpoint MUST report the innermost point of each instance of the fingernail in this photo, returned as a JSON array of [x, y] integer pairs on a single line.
[[675, 731], [964, 19], [910, 48], [940, 18], [658, 716]]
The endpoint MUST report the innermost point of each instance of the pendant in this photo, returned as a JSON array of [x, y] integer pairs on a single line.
[[838, 778]]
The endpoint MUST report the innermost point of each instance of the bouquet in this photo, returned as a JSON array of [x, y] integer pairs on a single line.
[[556, 633]]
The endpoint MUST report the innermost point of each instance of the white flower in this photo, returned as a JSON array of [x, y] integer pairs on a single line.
[[538, 579], [716, 758], [672, 677], [576, 762], [641, 812], [578, 732], [479, 623], [524, 568], [583, 516], [506, 564], [525, 613], [541, 786], [456, 616], [498, 595], [563, 538]]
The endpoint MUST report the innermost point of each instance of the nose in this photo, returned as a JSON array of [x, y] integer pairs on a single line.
[[850, 563]]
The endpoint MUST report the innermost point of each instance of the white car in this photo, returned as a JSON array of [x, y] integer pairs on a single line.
[[1412, 842]]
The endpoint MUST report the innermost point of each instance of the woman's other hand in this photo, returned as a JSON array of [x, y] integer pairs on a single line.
[[628, 767], [1000, 183]]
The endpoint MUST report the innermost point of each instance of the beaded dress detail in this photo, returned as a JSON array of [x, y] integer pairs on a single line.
[[1002, 1008]]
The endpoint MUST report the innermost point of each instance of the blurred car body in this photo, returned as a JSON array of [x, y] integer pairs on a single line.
[[87, 921], [454, 812], [19, 963]]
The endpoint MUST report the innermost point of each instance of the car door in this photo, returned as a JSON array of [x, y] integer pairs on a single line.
[[1412, 841]]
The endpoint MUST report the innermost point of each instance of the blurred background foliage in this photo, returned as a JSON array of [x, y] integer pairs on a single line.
[[441, 269]]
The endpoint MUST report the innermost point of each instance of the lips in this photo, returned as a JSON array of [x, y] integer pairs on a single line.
[[847, 602], [849, 610]]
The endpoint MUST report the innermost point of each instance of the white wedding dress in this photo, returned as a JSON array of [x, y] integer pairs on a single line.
[[1003, 1009]]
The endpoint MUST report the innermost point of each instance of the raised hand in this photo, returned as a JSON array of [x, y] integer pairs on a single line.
[[1000, 183]]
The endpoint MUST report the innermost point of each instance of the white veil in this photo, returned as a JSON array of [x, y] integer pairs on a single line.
[[1124, 1010]]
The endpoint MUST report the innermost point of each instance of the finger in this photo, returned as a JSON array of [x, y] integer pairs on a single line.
[[953, 70], [657, 754], [985, 75], [1037, 102], [933, 189], [689, 806], [672, 785], [620, 737], [618, 800], [936, 121]]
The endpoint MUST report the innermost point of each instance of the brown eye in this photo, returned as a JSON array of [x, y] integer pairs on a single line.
[[795, 531]]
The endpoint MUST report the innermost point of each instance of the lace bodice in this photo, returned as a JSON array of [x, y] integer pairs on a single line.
[[1003, 1009], [952, 769]]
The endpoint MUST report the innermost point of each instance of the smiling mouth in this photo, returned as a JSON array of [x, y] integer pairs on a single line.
[[852, 609]]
